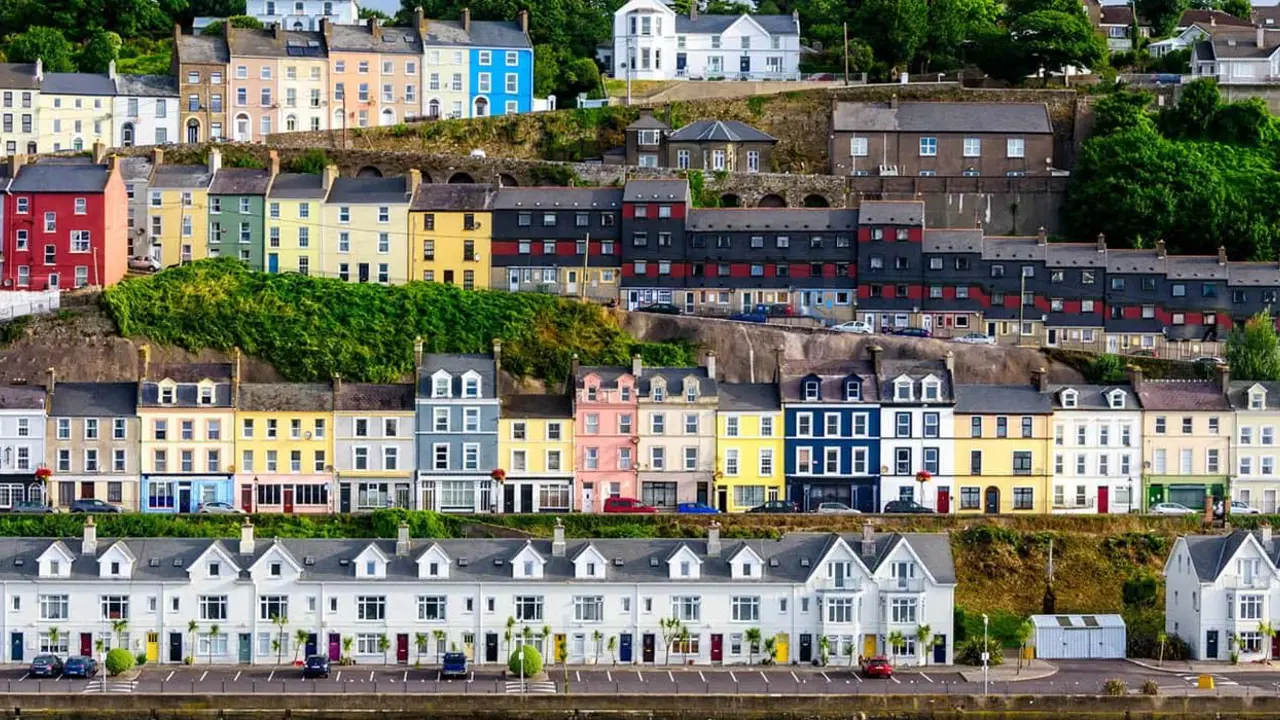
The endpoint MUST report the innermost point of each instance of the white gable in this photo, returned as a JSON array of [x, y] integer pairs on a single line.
[[371, 563], [116, 562], [590, 565], [1257, 397], [471, 384], [527, 564], [439, 389], [746, 564], [275, 564], [684, 565], [215, 563], [902, 567], [434, 564], [55, 561], [1070, 398], [841, 561], [1116, 399]]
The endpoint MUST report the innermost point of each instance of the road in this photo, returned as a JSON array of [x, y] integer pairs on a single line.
[[1072, 678]]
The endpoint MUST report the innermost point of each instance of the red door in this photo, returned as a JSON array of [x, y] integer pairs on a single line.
[[246, 498], [1103, 492], [717, 648], [288, 498], [86, 644], [1275, 645], [402, 648], [944, 500], [86, 490]]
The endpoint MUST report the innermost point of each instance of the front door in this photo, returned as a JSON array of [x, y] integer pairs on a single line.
[[571, 282], [344, 498], [1113, 344], [744, 63], [402, 648], [993, 501], [246, 498], [806, 648], [246, 648], [991, 329], [508, 498], [682, 61], [175, 647], [782, 652], [513, 280], [491, 647], [588, 499], [703, 495], [335, 647], [869, 646], [1103, 498], [15, 647], [944, 500], [313, 642], [717, 647], [926, 322], [646, 648], [1211, 645], [364, 272], [526, 497], [722, 499], [288, 499], [86, 490], [153, 647], [273, 262], [86, 644], [624, 648], [939, 649], [184, 499], [1052, 339]]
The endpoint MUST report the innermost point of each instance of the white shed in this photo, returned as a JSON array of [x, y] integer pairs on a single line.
[[1079, 637]]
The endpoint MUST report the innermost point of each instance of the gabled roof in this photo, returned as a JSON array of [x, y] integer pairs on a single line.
[[772, 219], [891, 212], [716, 24], [21, 397], [1002, 400], [831, 375], [1211, 554], [1239, 393], [647, 121], [674, 378], [240, 181], [656, 191], [749, 397], [147, 85], [609, 376], [956, 240], [203, 49], [1094, 397], [354, 397], [47, 177], [272, 397], [537, 405], [497, 34], [297, 186], [974, 117], [107, 399], [1182, 395], [720, 131], [369, 190], [75, 83], [557, 198], [449, 197], [18, 76], [457, 365], [361, 39], [917, 370], [181, 177]]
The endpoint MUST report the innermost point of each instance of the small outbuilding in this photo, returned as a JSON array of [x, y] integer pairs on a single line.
[[1079, 637]]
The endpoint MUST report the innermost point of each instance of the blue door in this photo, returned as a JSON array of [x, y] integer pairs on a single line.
[[15, 647], [312, 644], [624, 648], [273, 262]]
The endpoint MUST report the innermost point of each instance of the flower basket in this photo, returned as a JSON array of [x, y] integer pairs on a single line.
[[44, 473], [924, 476], [499, 475]]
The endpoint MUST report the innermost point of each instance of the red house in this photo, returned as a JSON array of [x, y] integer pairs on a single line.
[[65, 224]]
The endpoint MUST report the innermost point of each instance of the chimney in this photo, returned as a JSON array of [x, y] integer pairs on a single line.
[[1041, 378], [868, 540], [336, 381], [420, 20], [246, 537], [636, 366], [795, 17], [1161, 251], [466, 19], [157, 157], [417, 352], [1222, 255], [215, 161], [15, 164], [330, 177], [497, 366], [1265, 531], [1041, 236], [51, 381], [1135, 376], [1102, 243], [375, 27], [873, 354], [571, 382], [1261, 41], [229, 31], [99, 153], [713, 539], [89, 545], [693, 9], [950, 360], [40, 69], [277, 33], [326, 29], [711, 364], [523, 18], [402, 540], [274, 157], [111, 70], [893, 101], [777, 364], [557, 539], [177, 36], [414, 179], [1224, 378]]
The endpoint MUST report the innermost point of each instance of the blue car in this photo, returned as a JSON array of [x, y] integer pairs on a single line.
[[80, 666], [454, 666], [696, 508], [751, 317]]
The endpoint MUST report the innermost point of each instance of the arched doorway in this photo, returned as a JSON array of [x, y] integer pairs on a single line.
[[815, 201], [507, 180], [460, 178], [388, 116], [291, 123], [193, 131], [433, 108], [730, 200], [243, 131], [126, 135], [991, 506], [338, 120], [369, 171], [772, 200], [481, 107]]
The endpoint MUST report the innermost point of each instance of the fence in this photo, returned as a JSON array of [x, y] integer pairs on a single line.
[[17, 303]]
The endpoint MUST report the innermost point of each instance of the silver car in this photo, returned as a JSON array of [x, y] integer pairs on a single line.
[[976, 338], [835, 508], [220, 508], [1171, 508]]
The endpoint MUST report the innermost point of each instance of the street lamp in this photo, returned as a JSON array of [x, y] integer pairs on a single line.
[[985, 654], [1131, 496]]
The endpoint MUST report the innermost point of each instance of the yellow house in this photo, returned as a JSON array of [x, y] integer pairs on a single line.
[[450, 227], [284, 447], [535, 443], [1187, 426], [366, 227], [294, 226], [75, 110], [178, 209], [749, 452], [1002, 448]]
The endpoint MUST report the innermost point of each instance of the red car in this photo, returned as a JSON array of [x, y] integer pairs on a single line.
[[627, 505], [877, 667]]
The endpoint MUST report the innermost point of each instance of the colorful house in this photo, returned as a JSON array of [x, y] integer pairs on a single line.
[[449, 234], [1097, 448], [19, 102], [178, 209], [917, 399], [373, 445], [278, 81], [1257, 415], [284, 447], [187, 414], [749, 446], [535, 451], [605, 409], [22, 445], [1002, 446], [92, 442], [294, 225], [445, 79], [677, 428], [200, 63], [1187, 427], [501, 66], [75, 110], [457, 430], [375, 73], [365, 225], [236, 204]]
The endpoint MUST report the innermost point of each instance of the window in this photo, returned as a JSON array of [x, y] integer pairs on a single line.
[[687, 608], [432, 607], [588, 608], [928, 146], [1015, 147], [213, 607], [115, 607], [746, 608], [371, 607], [903, 610], [528, 608], [1023, 497]]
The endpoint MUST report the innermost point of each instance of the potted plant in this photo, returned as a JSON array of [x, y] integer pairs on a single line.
[[924, 476], [498, 475]]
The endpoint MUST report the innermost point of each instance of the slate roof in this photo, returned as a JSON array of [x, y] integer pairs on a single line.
[[1266, 274], [973, 117], [1195, 267], [135, 169], [434, 196], [456, 364], [647, 121], [957, 240], [360, 39], [1014, 248], [1116, 15], [917, 370], [609, 376], [203, 49], [720, 131], [181, 177], [89, 399], [21, 397], [18, 76], [891, 212], [717, 24], [1058, 255], [1182, 395], [725, 219], [526, 198], [537, 405], [1002, 400], [78, 84], [190, 372], [297, 186], [50, 177], [674, 377], [397, 397], [1135, 261], [831, 377], [1211, 554], [497, 34], [1093, 397], [368, 190], [1237, 43], [240, 181], [271, 397], [1209, 18], [147, 85], [749, 397], [1268, 16], [263, 43], [1238, 394], [655, 191]]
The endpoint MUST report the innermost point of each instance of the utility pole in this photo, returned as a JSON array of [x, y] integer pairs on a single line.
[[630, 47], [586, 255], [1022, 303], [846, 54]]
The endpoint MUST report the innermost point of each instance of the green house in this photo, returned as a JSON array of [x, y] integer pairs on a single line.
[[236, 214]]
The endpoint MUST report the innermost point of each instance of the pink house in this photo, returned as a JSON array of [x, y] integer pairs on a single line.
[[605, 417]]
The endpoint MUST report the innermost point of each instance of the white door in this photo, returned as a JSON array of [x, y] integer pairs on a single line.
[[513, 280], [571, 284], [242, 129], [1113, 344], [588, 499], [688, 303], [926, 321], [1269, 501]]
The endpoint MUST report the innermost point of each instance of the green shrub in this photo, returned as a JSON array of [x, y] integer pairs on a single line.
[[970, 651], [140, 659], [531, 658], [311, 162], [119, 660], [1150, 687], [1105, 369], [1115, 687]]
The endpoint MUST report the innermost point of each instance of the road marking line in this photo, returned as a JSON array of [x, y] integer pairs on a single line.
[[824, 676], [793, 676], [926, 677], [57, 678], [438, 674], [639, 675], [470, 678], [406, 676], [166, 679], [608, 675], [577, 676], [896, 680], [339, 678], [766, 677], [671, 677], [237, 677], [856, 677], [702, 677], [26, 675], [370, 676], [732, 676], [202, 675], [273, 674]]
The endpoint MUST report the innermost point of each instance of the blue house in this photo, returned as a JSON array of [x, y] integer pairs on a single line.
[[456, 420], [832, 445], [501, 66]]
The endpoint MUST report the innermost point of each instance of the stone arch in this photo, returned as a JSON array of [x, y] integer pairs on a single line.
[[772, 200], [508, 180], [730, 200], [369, 171], [460, 178], [815, 200]]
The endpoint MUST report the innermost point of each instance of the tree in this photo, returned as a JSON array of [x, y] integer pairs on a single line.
[[384, 644], [924, 639], [45, 44], [300, 638], [770, 650], [368, 12], [1122, 110], [1023, 634], [848, 652], [1253, 350], [895, 29], [525, 662], [420, 643], [1239, 8], [278, 644], [1163, 15], [1050, 40], [99, 51], [1268, 631], [54, 635], [440, 637], [511, 623], [214, 631], [547, 644], [950, 24], [119, 660], [120, 627], [596, 638], [613, 649], [192, 627], [1192, 116], [824, 649], [753, 644], [670, 629], [896, 640], [217, 27], [347, 642]]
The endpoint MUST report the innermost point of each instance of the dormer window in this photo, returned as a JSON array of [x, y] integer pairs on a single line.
[[471, 387], [1069, 399], [1116, 400], [528, 568], [371, 568], [591, 569], [810, 390], [115, 567], [691, 391], [685, 568], [1257, 400], [433, 569], [625, 393], [852, 390], [931, 390], [591, 393], [206, 395], [902, 389], [747, 570], [275, 569], [215, 569], [658, 393], [55, 567], [168, 394], [440, 387]]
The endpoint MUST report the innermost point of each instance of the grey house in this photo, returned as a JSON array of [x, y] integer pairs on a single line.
[[726, 145], [373, 445], [93, 440], [457, 430]]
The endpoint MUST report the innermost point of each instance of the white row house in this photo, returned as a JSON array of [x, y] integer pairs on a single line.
[[370, 599]]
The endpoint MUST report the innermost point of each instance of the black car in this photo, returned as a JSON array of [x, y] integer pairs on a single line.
[[775, 506], [80, 666], [93, 505], [660, 308], [907, 507], [913, 332], [751, 317], [46, 666], [317, 666]]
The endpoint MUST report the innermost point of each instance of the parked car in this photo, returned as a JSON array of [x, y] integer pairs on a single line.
[[220, 508], [913, 332], [976, 338], [316, 666], [751, 317], [877, 667], [30, 507], [1236, 508], [145, 263], [660, 308], [906, 507], [696, 508], [835, 508], [627, 505], [775, 506], [46, 666], [1144, 353], [454, 665], [857, 327], [774, 310], [93, 505], [1171, 508], [80, 666], [1209, 360]]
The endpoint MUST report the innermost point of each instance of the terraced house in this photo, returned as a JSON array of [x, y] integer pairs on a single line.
[[1187, 426], [536, 452], [749, 446], [606, 408], [92, 442], [19, 98], [75, 110], [284, 447], [677, 429], [201, 64], [1253, 446], [457, 430], [294, 226], [373, 445], [375, 73], [1001, 450], [1097, 448], [236, 212], [369, 219], [449, 234], [178, 209], [917, 421], [22, 445]]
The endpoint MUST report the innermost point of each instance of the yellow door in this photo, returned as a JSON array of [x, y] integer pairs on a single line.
[[469, 649], [561, 651], [781, 653], [869, 646], [153, 647]]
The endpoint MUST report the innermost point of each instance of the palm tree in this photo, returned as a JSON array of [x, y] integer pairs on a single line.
[[300, 638], [924, 638], [770, 647], [527, 634], [896, 640], [420, 641], [684, 640], [824, 648], [213, 634], [1023, 635], [1268, 631], [120, 627], [670, 628], [753, 643], [507, 636], [54, 634], [192, 627], [384, 644], [848, 652], [278, 644], [548, 646], [613, 649], [596, 637], [440, 637], [511, 624], [1161, 638], [347, 642]]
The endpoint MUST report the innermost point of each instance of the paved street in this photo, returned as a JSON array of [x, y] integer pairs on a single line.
[[1072, 678]]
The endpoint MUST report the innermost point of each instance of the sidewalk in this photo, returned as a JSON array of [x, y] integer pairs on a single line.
[[1009, 672], [1198, 667]]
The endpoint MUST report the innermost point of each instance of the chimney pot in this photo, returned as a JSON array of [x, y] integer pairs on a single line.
[[1161, 250], [1222, 255], [274, 157], [557, 540], [868, 539], [711, 364], [950, 360], [246, 537], [417, 351], [1135, 376], [713, 539], [1041, 377], [523, 17], [1042, 237], [89, 544], [1102, 242], [1265, 531], [402, 540], [215, 160], [1224, 378], [51, 381], [636, 366], [466, 19]]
